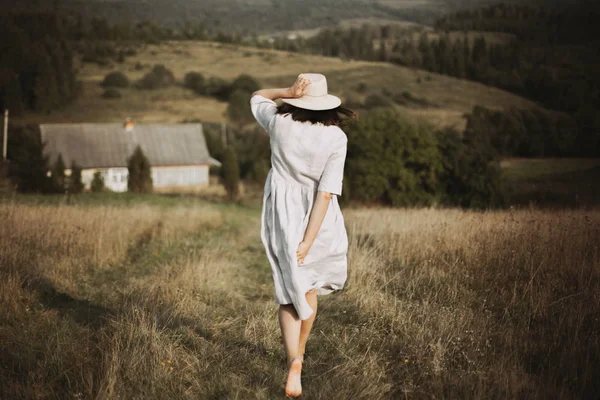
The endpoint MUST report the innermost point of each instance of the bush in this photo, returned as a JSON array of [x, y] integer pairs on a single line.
[[230, 171], [377, 101], [159, 77], [57, 177], [97, 182], [471, 174], [245, 83], [526, 133], [75, 182], [140, 172], [29, 165], [116, 79], [111, 94], [392, 160], [195, 81], [218, 88], [238, 109]]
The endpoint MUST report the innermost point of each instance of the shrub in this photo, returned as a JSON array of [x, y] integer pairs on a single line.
[[97, 184], [116, 79], [111, 93], [245, 83], [159, 77], [238, 109], [75, 182], [57, 177], [471, 174], [392, 160], [195, 81], [526, 133], [140, 172], [218, 88], [29, 165], [230, 171]]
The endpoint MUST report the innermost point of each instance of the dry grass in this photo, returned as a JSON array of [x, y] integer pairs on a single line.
[[452, 97], [99, 302]]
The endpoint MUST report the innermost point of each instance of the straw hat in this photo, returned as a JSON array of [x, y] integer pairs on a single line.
[[316, 96]]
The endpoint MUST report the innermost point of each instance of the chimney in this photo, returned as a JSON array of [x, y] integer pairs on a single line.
[[128, 125]]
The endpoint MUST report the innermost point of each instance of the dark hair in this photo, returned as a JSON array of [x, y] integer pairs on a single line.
[[325, 117]]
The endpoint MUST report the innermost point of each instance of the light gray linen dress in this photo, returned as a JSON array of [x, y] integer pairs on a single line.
[[305, 158]]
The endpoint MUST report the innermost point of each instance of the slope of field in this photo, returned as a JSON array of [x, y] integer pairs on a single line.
[[446, 98], [558, 182], [160, 297]]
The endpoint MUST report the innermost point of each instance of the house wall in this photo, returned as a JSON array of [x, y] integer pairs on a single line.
[[180, 176], [115, 179]]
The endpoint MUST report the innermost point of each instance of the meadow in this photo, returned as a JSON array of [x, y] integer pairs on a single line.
[[156, 296]]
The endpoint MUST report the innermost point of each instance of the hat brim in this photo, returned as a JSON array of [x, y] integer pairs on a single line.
[[327, 102]]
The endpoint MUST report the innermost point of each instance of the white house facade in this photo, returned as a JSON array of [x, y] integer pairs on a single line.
[[177, 153]]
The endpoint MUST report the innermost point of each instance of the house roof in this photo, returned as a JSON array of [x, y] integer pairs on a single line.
[[110, 145]]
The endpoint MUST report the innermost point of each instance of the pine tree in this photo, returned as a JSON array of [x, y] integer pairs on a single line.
[[75, 182], [45, 91], [57, 177], [140, 172], [97, 182], [12, 97], [230, 171], [238, 109]]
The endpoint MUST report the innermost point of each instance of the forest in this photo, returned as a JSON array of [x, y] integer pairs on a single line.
[[551, 57]]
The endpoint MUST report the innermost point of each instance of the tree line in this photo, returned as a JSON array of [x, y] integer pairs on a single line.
[[36, 67], [550, 59]]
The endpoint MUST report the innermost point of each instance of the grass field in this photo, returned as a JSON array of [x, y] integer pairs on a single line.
[[559, 182], [451, 97], [163, 297]]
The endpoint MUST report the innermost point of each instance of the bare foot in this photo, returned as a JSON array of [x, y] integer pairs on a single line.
[[293, 387]]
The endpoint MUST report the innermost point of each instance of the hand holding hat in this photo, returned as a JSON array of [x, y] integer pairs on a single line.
[[311, 90], [298, 89]]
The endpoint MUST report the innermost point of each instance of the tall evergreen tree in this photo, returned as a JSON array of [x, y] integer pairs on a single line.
[[75, 181], [97, 184], [28, 164], [230, 171], [140, 172], [46, 96], [57, 177]]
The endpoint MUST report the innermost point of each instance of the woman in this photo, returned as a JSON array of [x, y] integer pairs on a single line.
[[302, 226]]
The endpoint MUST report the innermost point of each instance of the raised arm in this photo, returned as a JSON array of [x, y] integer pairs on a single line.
[[295, 91]]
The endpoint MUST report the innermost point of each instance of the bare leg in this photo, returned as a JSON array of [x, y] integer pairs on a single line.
[[290, 324], [307, 324]]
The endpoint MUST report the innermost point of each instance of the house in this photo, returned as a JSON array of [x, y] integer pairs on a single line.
[[177, 152]]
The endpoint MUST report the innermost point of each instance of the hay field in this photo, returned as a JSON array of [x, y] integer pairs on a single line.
[[452, 97], [173, 299]]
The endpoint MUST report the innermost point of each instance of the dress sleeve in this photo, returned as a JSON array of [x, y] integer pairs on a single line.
[[333, 174], [263, 110]]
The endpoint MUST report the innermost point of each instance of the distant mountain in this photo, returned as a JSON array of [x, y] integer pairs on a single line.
[[260, 16]]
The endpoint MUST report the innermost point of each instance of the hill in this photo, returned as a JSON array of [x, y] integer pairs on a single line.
[[259, 16], [439, 99]]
